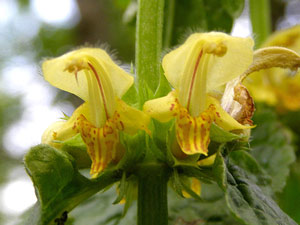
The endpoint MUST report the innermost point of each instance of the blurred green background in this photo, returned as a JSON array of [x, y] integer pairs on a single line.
[[31, 30]]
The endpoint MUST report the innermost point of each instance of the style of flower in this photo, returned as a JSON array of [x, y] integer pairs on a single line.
[[92, 75], [201, 70], [276, 86]]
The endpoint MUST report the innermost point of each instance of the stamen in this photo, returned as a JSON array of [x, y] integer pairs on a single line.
[[193, 78], [75, 65], [218, 49], [101, 89], [76, 77]]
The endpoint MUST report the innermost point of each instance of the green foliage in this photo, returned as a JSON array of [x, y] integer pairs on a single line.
[[190, 211], [237, 189], [77, 149], [163, 87], [204, 174], [52, 42], [272, 146], [245, 185], [58, 184], [204, 16], [289, 199], [131, 97], [220, 135], [100, 210], [10, 110], [127, 192], [135, 150], [292, 120], [233, 7]]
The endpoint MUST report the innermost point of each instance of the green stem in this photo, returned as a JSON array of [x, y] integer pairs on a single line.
[[152, 195], [148, 46], [261, 20], [169, 21]]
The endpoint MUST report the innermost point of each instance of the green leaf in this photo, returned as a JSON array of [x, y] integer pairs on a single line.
[[176, 183], [122, 189], [233, 7], [219, 170], [58, 184], [203, 174], [77, 148], [245, 196], [271, 146], [99, 210], [131, 193], [135, 149], [202, 15], [220, 135], [212, 211], [131, 97], [289, 198], [157, 143]]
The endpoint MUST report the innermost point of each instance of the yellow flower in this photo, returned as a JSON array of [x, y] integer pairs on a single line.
[[92, 75], [201, 70], [277, 86]]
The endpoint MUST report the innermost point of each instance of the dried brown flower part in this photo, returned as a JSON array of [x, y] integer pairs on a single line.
[[242, 96]]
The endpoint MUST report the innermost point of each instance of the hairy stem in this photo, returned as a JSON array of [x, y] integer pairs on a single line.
[[261, 20], [148, 46], [152, 195]]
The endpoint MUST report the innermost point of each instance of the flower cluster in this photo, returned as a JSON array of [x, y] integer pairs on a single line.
[[205, 72]]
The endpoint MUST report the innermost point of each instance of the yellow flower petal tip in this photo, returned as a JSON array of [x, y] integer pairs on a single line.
[[195, 186], [288, 38], [162, 109], [225, 119], [209, 161], [193, 132], [63, 130], [128, 117], [101, 142]]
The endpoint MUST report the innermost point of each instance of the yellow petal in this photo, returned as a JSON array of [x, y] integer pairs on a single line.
[[63, 130], [195, 186], [162, 109], [101, 142], [207, 161], [131, 120], [260, 91], [289, 94], [192, 133], [223, 119], [58, 131], [55, 72], [289, 38], [90, 74]]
